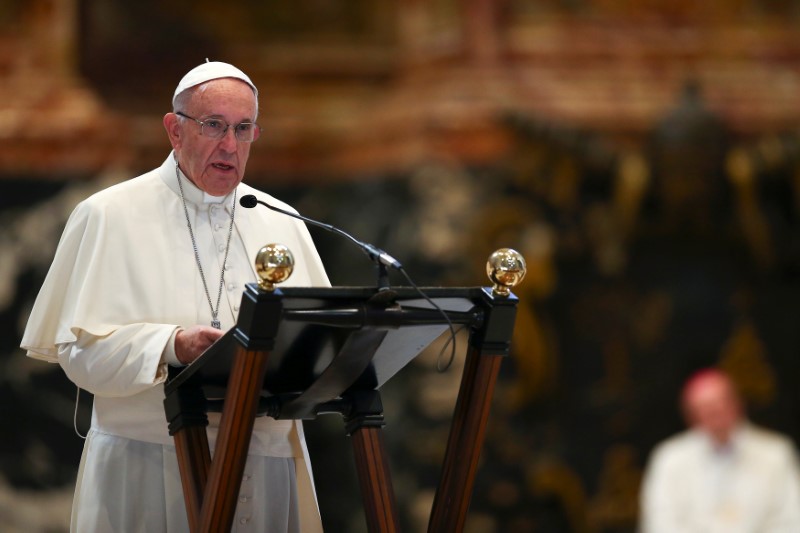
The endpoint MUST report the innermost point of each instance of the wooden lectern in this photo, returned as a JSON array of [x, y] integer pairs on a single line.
[[296, 353]]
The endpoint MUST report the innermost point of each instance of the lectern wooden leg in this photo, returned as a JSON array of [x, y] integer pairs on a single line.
[[194, 458], [375, 480], [364, 420], [236, 427], [464, 445], [186, 413]]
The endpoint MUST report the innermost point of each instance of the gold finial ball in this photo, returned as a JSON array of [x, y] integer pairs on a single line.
[[505, 268], [274, 264]]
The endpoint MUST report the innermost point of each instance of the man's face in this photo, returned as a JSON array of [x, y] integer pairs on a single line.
[[216, 166], [713, 406]]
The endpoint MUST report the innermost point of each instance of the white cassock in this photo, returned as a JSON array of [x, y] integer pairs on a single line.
[[123, 279], [750, 486]]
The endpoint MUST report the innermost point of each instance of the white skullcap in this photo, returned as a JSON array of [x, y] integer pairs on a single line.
[[211, 70]]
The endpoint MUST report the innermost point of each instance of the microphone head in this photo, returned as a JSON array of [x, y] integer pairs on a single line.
[[248, 200]]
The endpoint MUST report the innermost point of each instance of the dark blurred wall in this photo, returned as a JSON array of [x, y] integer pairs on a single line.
[[643, 158]]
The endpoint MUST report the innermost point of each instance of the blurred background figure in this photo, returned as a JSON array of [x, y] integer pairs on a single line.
[[723, 474]]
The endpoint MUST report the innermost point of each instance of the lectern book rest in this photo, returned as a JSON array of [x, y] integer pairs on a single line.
[[333, 339]]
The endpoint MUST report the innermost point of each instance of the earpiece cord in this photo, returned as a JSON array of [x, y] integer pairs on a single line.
[[75, 415]]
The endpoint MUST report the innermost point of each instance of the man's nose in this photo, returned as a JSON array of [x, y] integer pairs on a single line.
[[229, 141]]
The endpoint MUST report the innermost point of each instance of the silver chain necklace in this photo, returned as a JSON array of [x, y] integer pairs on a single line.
[[214, 310]]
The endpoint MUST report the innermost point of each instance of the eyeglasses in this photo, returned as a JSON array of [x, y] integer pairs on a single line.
[[216, 128]]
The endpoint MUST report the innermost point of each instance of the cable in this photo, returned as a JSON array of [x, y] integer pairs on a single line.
[[452, 340], [75, 415]]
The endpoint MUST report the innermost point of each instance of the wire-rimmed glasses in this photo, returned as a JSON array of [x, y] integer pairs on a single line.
[[216, 128]]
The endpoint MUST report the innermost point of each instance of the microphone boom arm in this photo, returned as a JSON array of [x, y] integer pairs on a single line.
[[378, 256]]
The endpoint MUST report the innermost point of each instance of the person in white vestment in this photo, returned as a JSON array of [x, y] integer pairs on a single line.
[[723, 474], [149, 273]]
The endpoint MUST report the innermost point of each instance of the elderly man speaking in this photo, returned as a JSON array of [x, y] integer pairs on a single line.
[[149, 273]]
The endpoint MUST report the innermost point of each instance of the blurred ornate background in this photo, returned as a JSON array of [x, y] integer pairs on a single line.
[[643, 156]]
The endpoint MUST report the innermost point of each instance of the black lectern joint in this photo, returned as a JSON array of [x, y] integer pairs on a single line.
[[364, 410]]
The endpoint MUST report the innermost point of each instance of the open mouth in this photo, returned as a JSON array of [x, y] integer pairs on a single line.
[[222, 166]]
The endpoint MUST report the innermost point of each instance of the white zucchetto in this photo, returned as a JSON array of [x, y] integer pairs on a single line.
[[211, 70]]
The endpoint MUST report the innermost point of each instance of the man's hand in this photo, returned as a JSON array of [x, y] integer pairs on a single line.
[[191, 342]]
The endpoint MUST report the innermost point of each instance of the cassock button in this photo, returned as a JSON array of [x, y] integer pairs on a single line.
[[243, 499], [243, 521], [217, 227], [221, 248], [231, 286]]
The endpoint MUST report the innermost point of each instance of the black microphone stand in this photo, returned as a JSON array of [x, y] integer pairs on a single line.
[[383, 276], [377, 255], [381, 259]]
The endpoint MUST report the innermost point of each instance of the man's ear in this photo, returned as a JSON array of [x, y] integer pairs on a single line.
[[173, 127]]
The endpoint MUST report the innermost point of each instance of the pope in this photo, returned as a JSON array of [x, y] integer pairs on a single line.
[[149, 273]]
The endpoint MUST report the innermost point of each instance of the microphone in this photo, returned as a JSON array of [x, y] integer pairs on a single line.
[[374, 253], [381, 259]]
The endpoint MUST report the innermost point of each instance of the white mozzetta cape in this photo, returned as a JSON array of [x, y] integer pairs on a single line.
[[124, 278]]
